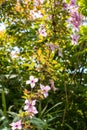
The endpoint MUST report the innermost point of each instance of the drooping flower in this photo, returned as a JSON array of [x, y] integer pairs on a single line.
[[32, 81], [52, 85], [30, 107], [16, 125], [52, 46], [45, 90], [76, 19]]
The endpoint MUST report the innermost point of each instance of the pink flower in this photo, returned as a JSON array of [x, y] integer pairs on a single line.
[[16, 125], [75, 38], [32, 81], [45, 90], [52, 46], [75, 20], [42, 31], [76, 16], [15, 52], [73, 2], [30, 107], [38, 2], [65, 6], [41, 1], [52, 85], [73, 8], [36, 14]]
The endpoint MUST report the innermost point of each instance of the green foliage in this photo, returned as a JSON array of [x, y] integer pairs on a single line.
[[4, 124], [52, 57], [83, 4]]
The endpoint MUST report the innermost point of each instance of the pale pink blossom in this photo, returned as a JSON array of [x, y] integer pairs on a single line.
[[41, 1], [38, 2], [15, 52], [73, 2], [52, 46], [73, 8], [45, 90], [42, 31], [30, 107], [75, 38], [52, 85], [16, 125], [36, 14], [75, 20], [32, 81], [76, 16], [65, 6]]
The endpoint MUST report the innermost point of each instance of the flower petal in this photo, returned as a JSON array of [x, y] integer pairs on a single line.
[[47, 88], [32, 85], [33, 102], [28, 82], [31, 77], [45, 94], [41, 86], [26, 101], [26, 107], [36, 79]]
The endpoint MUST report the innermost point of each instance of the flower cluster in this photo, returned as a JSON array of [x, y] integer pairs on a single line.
[[74, 21], [30, 102], [43, 89], [31, 98], [30, 107], [36, 13]]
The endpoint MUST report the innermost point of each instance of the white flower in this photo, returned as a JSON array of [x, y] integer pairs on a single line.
[[32, 81]]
